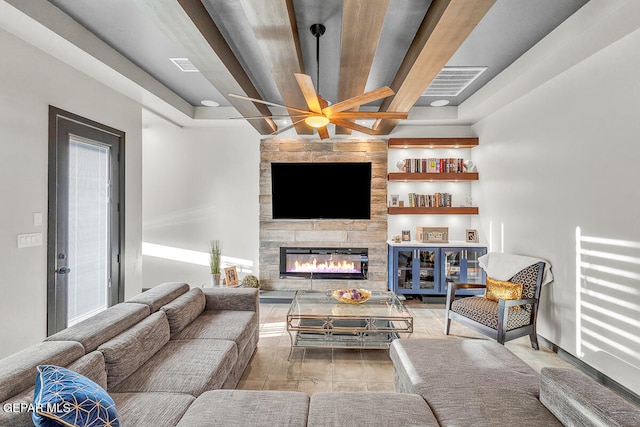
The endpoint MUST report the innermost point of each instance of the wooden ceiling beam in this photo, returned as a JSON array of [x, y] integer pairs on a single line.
[[188, 24], [274, 26], [445, 27], [362, 22]]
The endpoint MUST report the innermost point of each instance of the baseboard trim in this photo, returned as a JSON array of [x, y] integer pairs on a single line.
[[592, 372]]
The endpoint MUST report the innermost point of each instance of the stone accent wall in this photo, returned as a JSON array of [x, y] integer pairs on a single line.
[[371, 234]]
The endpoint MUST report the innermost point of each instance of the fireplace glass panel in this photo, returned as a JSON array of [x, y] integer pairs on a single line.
[[324, 263]]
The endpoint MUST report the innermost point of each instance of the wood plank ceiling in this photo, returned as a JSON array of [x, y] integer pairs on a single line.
[[445, 26]]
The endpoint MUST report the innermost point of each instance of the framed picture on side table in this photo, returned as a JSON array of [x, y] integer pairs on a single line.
[[231, 276], [472, 236]]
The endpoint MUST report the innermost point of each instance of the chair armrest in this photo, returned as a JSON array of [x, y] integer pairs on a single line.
[[516, 302], [240, 299], [467, 285]]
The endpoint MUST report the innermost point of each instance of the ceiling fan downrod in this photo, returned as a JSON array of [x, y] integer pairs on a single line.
[[318, 30]]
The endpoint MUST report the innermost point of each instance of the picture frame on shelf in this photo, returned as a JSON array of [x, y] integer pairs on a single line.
[[394, 200], [471, 236], [231, 276], [406, 235], [432, 234]]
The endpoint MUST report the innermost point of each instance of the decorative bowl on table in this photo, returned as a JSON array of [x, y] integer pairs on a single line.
[[352, 296]]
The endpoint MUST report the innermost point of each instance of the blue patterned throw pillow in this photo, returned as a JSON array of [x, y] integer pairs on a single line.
[[66, 398]]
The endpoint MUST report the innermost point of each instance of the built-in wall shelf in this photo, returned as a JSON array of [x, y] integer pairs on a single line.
[[461, 210], [433, 142], [432, 176]]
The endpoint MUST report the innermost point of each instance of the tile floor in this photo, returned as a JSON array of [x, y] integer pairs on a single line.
[[313, 370]]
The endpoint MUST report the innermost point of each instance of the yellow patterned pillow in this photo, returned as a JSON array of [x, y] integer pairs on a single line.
[[497, 289]]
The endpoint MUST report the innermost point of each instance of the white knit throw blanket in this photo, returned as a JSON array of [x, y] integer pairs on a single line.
[[501, 266]]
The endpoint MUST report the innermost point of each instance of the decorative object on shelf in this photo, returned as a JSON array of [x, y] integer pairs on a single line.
[[396, 238], [231, 276], [394, 200], [214, 262], [250, 281], [352, 296], [469, 166], [432, 234], [400, 165], [406, 235], [471, 235]]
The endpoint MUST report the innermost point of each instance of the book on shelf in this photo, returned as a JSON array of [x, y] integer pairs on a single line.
[[437, 200], [434, 165]]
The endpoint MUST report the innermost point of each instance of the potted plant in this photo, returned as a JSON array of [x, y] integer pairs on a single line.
[[214, 262]]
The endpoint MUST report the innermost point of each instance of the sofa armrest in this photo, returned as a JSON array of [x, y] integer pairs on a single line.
[[576, 399], [240, 299]]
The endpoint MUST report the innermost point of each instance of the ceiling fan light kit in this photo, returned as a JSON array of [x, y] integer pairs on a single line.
[[320, 112]]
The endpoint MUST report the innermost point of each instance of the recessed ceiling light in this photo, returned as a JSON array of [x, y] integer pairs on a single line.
[[439, 103], [209, 103]]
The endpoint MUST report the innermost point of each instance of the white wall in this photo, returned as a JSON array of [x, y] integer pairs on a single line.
[[564, 157], [198, 184], [29, 82]]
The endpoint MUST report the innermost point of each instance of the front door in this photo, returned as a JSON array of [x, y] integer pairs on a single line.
[[85, 211]]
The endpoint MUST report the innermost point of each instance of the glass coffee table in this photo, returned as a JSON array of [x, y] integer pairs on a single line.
[[316, 319]]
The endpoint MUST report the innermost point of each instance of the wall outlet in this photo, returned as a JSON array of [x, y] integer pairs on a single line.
[[28, 240]]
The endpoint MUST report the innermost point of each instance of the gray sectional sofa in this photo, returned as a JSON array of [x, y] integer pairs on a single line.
[[172, 356]]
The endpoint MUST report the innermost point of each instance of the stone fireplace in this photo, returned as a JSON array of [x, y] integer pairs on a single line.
[[361, 234]]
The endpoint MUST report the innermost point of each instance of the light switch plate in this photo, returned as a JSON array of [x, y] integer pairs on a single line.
[[29, 240]]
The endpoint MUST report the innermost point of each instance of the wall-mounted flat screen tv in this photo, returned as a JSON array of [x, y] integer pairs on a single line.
[[321, 190]]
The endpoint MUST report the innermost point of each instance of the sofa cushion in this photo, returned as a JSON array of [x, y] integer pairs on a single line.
[[247, 408], [184, 309], [485, 311], [472, 363], [151, 409], [337, 409], [184, 366], [243, 299], [238, 326], [103, 326], [576, 399], [125, 353], [91, 366], [18, 371], [462, 405], [64, 397], [160, 295]]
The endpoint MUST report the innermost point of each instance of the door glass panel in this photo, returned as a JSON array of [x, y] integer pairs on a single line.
[[427, 270], [405, 266], [88, 229]]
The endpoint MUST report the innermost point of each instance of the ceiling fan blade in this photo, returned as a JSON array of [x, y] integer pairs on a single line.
[[369, 115], [357, 101], [309, 92], [260, 101], [323, 133], [350, 125], [279, 131]]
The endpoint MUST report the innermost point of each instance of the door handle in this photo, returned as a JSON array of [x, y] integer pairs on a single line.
[[63, 270]]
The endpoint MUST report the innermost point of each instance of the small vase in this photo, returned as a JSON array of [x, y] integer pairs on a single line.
[[215, 280]]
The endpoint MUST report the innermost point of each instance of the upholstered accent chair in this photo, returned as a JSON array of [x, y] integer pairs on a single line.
[[502, 320]]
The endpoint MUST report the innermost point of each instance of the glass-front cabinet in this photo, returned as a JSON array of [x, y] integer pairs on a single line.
[[429, 269], [415, 270]]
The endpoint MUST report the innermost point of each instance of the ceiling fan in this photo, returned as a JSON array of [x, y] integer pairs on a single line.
[[320, 113]]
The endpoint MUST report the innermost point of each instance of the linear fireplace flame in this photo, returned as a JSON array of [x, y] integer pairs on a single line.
[[328, 263]]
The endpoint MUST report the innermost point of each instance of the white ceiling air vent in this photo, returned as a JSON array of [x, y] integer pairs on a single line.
[[184, 64], [451, 81]]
